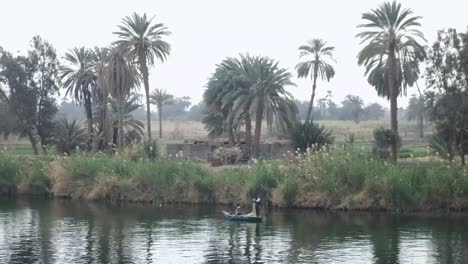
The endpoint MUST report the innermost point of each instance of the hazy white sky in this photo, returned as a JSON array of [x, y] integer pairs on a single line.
[[206, 31]]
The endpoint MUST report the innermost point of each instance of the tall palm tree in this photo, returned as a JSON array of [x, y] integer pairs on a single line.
[[142, 40], [266, 94], [160, 98], [354, 104], [100, 60], [122, 76], [219, 100], [391, 54], [77, 77], [416, 110], [317, 65], [133, 130]]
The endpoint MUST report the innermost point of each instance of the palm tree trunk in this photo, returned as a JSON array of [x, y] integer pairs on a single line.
[[43, 143], [312, 97], [144, 71], [89, 117], [160, 120], [120, 123], [258, 128], [106, 123], [393, 100], [248, 133], [32, 139], [232, 137], [421, 126], [39, 125], [115, 135]]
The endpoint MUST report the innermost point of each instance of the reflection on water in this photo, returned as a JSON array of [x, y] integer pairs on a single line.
[[70, 232]]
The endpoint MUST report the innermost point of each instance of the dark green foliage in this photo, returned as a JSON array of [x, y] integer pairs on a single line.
[[21, 97], [245, 91], [69, 136], [8, 174], [263, 179], [133, 129], [384, 138], [439, 145], [151, 150], [289, 188], [448, 91], [34, 177], [310, 135], [45, 66]]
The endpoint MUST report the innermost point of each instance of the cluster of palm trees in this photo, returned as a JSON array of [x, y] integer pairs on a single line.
[[103, 79], [391, 54], [245, 90], [253, 88]]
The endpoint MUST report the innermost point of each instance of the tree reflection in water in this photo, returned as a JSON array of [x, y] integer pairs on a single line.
[[35, 231]]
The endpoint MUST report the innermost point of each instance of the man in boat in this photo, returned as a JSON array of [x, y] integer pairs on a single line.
[[238, 212], [257, 203]]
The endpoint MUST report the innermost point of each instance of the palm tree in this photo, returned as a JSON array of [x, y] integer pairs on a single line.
[[122, 76], [69, 136], [263, 84], [317, 65], [132, 129], [78, 77], [219, 99], [142, 40], [391, 54], [100, 60], [416, 111], [354, 104], [249, 87], [160, 98]]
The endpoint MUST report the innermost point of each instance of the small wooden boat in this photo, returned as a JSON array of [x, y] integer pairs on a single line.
[[244, 218]]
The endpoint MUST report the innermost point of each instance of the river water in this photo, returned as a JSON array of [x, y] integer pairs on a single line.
[[41, 231]]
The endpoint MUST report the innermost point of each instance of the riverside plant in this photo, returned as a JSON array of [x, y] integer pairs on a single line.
[[323, 177], [346, 175]]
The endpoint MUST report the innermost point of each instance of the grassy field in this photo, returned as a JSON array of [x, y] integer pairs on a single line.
[[178, 131]]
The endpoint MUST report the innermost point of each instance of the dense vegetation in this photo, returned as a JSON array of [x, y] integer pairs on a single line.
[[110, 157], [320, 178]]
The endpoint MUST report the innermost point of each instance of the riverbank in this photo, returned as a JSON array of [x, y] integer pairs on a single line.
[[337, 179]]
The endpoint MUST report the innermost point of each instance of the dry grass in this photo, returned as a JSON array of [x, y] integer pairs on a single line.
[[180, 130]]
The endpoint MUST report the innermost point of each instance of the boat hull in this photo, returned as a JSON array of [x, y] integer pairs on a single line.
[[242, 218]]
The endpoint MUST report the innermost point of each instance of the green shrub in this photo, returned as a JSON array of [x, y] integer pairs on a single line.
[[289, 188], [384, 138], [151, 150], [310, 135], [144, 151], [8, 173], [34, 178], [263, 178], [69, 136], [86, 166]]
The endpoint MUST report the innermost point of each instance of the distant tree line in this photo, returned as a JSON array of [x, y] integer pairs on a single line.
[[353, 108]]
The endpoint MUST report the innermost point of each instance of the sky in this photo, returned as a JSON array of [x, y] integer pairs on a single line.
[[204, 32]]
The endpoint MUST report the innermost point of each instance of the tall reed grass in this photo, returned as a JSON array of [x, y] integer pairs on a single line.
[[344, 178]]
